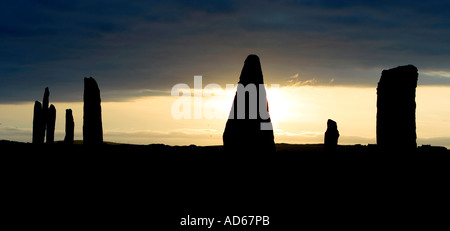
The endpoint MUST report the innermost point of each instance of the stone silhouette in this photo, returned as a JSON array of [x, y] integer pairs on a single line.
[[249, 127], [92, 113], [331, 136], [51, 120], [396, 109], [38, 132], [41, 120], [45, 103], [70, 126]]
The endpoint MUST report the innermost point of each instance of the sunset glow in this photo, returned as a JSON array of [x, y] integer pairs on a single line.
[[326, 56], [298, 113]]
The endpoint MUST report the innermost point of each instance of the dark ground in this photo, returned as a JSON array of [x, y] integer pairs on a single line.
[[152, 187]]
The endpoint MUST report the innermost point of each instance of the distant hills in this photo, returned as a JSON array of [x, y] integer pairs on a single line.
[[59, 147]]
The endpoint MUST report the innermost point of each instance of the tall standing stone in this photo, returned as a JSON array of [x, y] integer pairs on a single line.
[[70, 126], [92, 113], [44, 120], [45, 103], [331, 136], [38, 133], [396, 109], [51, 120], [247, 129]]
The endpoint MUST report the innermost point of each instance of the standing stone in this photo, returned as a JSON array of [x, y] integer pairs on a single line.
[[38, 133], [331, 136], [396, 109], [92, 113], [252, 132], [51, 120], [42, 119], [70, 126], [45, 103]]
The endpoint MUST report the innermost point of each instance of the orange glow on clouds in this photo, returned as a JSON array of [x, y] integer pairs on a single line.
[[298, 113]]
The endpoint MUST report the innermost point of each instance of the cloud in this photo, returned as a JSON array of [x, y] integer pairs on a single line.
[[434, 141], [303, 137], [204, 136], [296, 81], [173, 137], [15, 134], [437, 73], [132, 46], [124, 95], [214, 137]]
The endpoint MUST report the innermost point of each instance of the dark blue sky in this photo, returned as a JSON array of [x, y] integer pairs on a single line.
[[144, 47]]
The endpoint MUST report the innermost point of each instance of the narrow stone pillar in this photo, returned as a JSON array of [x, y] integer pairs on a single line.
[[92, 113], [51, 120], [70, 126], [38, 133]]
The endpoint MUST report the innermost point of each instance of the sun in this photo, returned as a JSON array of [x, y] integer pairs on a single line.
[[279, 106]]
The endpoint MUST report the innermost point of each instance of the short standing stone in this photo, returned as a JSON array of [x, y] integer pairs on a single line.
[[331, 136], [70, 125]]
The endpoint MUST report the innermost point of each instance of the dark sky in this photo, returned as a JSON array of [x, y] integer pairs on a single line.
[[145, 47]]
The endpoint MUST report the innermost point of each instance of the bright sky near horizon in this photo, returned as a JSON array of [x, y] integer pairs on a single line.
[[326, 55], [299, 115]]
